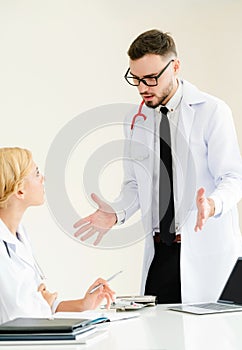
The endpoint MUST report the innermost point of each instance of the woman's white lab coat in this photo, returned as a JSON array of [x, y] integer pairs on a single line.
[[19, 278], [207, 155]]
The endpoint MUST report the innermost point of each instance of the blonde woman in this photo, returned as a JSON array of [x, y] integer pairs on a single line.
[[22, 291]]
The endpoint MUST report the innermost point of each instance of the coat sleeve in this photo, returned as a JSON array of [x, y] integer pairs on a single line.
[[224, 159]]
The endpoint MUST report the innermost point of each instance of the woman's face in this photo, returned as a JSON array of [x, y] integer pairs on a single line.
[[33, 187]]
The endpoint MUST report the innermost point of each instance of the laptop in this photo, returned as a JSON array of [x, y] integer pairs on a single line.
[[229, 300]]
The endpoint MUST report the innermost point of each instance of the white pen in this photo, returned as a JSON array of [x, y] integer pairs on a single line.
[[101, 284]]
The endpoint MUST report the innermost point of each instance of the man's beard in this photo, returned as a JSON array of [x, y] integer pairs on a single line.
[[162, 98], [160, 102], [151, 105]]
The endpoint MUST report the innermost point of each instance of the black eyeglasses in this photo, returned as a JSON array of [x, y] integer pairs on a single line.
[[148, 81]]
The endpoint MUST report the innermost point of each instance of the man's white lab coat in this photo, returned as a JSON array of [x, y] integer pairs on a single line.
[[206, 155]]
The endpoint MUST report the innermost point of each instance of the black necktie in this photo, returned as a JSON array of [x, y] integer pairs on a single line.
[[166, 197]]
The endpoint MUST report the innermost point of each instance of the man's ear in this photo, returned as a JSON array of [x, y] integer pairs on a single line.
[[176, 65]]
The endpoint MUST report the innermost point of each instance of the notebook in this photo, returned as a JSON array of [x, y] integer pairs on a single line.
[[90, 337], [229, 300], [44, 329]]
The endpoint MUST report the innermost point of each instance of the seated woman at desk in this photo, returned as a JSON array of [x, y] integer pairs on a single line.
[[22, 291]]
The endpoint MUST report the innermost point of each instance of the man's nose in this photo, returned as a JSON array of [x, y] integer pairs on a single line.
[[143, 88]]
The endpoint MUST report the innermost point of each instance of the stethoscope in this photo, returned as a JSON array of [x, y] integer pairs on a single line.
[[36, 265], [139, 114]]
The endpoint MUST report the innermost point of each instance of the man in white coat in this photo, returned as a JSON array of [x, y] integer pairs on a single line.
[[206, 182]]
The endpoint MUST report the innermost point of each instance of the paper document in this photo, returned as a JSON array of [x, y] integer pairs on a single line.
[[94, 315]]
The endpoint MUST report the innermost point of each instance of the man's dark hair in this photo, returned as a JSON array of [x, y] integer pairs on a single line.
[[152, 42]]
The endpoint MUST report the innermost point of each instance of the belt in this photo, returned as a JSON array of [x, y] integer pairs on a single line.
[[157, 238]]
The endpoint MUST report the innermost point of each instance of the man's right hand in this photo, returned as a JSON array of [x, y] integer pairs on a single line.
[[100, 222]]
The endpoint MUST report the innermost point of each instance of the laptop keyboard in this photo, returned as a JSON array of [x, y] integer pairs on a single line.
[[216, 306]]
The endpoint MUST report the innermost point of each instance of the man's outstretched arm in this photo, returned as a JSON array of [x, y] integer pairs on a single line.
[[100, 222]]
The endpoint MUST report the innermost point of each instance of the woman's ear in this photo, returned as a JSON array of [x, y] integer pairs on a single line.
[[19, 194]]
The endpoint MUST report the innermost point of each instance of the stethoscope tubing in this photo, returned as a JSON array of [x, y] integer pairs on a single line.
[[139, 114]]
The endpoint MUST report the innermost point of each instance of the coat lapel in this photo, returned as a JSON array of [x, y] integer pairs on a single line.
[[185, 171], [22, 248]]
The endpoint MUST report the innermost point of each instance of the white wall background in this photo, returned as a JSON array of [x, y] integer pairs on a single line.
[[62, 57]]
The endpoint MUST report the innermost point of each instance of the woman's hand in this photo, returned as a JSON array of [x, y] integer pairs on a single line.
[[93, 300], [48, 296]]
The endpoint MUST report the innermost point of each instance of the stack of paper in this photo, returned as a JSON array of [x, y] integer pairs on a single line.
[[133, 302]]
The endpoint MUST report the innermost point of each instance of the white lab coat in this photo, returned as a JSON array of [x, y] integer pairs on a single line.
[[207, 155], [19, 279]]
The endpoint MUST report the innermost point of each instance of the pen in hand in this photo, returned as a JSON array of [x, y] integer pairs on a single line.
[[100, 284]]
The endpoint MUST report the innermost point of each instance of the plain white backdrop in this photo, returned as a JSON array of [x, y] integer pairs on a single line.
[[60, 58]]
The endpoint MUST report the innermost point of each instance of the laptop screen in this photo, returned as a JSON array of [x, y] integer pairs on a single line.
[[232, 292]]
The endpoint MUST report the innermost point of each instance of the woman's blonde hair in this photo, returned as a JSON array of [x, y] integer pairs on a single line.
[[15, 164]]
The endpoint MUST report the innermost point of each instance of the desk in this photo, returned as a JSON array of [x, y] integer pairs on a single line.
[[161, 329]]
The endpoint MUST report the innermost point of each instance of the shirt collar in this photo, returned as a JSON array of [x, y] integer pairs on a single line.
[[7, 236], [174, 102]]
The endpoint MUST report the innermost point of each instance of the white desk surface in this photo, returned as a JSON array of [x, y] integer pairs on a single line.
[[161, 329]]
